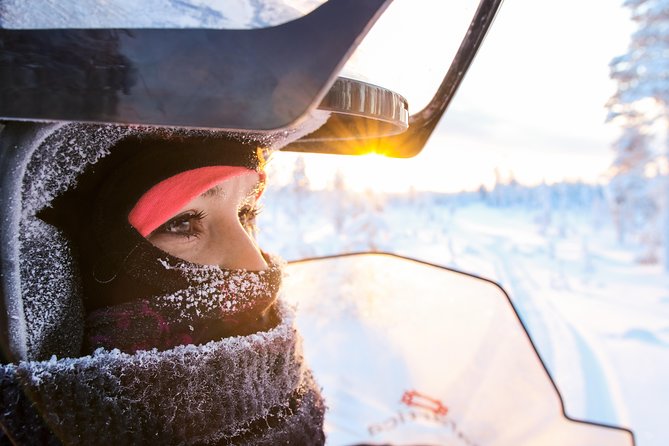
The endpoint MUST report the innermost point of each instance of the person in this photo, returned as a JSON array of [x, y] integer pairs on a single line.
[[165, 212], [133, 313], [185, 337]]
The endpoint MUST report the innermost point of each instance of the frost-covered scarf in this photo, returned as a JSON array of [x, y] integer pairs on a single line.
[[243, 390], [210, 303]]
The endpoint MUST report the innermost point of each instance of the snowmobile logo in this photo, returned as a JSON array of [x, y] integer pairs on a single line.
[[413, 398], [422, 408]]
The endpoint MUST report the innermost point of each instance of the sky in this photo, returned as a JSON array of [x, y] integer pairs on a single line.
[[531, 105]]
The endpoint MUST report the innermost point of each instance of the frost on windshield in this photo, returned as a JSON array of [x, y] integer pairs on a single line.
[[221, 14]]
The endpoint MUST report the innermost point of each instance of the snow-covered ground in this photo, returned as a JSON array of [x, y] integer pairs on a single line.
[[599, 319]]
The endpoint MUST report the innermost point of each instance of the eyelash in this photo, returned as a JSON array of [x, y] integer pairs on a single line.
[[247, 216], [192, 217]]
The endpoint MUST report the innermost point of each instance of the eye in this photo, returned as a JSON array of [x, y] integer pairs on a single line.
[[184, 225]]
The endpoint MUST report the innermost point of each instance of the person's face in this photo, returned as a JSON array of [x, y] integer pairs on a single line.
[[215, 228]]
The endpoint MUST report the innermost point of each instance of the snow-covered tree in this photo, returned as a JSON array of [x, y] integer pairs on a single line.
[[643, 72], [339, 202], [641, 107], [300, 178], [367, 230], [300, 199], [634, 206], [544, 217], [299, 187]]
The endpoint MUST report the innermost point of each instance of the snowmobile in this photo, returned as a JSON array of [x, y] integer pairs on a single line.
[[390, 373]]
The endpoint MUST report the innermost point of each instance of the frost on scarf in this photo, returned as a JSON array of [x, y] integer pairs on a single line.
[[214, 292], [214, 303], [251, 389]]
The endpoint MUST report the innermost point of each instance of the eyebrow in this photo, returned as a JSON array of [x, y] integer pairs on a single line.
[[217, 191]]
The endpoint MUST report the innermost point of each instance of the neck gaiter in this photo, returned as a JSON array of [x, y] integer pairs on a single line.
[[196, 303]]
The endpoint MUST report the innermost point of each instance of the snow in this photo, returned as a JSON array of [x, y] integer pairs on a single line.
[[214, 292], [599, 319]]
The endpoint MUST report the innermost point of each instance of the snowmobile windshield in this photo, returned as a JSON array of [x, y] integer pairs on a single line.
[[411, 47], [413, 353]]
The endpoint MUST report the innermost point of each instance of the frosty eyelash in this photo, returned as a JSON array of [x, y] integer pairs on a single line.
[[186, 224], [248, 215], [249, 211]]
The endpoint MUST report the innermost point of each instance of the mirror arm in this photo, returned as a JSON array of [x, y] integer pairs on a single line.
[[422, 123]]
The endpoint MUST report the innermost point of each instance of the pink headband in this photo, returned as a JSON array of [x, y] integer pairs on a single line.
[[165, 199]]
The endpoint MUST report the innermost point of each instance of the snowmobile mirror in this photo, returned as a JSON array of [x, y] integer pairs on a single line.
[[357, 107], [354, 135], [242, 79]]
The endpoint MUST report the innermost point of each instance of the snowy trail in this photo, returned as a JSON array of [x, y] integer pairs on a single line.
[[592, 319], [569, 357], [564, 350]]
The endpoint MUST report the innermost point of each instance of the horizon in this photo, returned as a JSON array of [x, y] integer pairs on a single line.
[[281, 175]]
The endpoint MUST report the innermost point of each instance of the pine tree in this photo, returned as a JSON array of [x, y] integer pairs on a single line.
[[629, 184], [300, 188], [339, 203], [641, 107], [643, 72]]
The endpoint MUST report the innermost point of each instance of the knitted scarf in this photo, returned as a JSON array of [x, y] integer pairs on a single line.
[[211, 303], [252, 389]]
